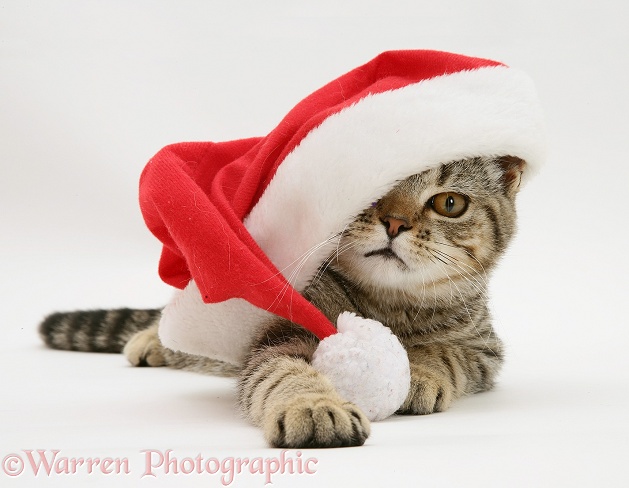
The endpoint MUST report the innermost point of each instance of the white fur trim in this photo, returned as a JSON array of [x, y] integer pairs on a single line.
[[222, 331]]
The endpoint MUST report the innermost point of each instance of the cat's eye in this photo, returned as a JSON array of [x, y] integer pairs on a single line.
[[449, 204]]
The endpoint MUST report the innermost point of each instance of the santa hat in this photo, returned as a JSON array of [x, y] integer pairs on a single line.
[[246, 224]]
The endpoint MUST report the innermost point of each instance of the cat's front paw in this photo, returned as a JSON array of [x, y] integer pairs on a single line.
[[316, 420], [145, 349], [430, 392]]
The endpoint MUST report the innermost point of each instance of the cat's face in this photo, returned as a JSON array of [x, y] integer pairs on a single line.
[[444, 225]]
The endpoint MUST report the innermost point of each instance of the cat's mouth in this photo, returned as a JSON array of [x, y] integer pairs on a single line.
[[386, 253]]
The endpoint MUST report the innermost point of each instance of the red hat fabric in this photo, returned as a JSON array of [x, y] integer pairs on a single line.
[[251, 220]]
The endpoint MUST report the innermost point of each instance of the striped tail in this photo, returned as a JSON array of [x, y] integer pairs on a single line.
[[95, 330]]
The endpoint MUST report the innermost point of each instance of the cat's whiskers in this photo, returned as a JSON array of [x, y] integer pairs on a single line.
[[481, 287], [326, 264], [328, 261], [421, 305], [338, 243], [301, 259], [434, 288], [469, 279], [301, 262], [304, 258], [467, 310], [479, 277], [445, 274], [485, 277], [434, 305]]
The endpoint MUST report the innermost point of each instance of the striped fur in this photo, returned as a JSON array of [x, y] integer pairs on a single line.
[[95, 330], [426, 281]]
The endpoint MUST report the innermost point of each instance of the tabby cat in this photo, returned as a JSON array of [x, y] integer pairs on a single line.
[[416, 260]]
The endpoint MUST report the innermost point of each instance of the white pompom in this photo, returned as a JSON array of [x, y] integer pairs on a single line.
[[367, 365]]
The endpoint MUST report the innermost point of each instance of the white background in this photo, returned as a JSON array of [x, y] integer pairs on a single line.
[[90, 90]]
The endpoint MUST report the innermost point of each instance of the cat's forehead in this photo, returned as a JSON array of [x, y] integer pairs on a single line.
[[466, 174]]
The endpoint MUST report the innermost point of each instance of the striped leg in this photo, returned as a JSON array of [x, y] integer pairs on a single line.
[[295, 405]]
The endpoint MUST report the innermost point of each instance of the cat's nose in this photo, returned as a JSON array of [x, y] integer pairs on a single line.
[[395, 226]]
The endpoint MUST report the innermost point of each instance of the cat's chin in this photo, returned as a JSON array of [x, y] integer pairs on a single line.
[[380, 273], [387, 254], [384, 271]]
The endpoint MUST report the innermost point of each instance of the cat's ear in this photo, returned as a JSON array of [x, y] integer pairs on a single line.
[[512, 170]]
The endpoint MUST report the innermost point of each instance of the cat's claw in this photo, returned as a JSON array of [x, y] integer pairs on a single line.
[[430, 392], [316, 421]]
